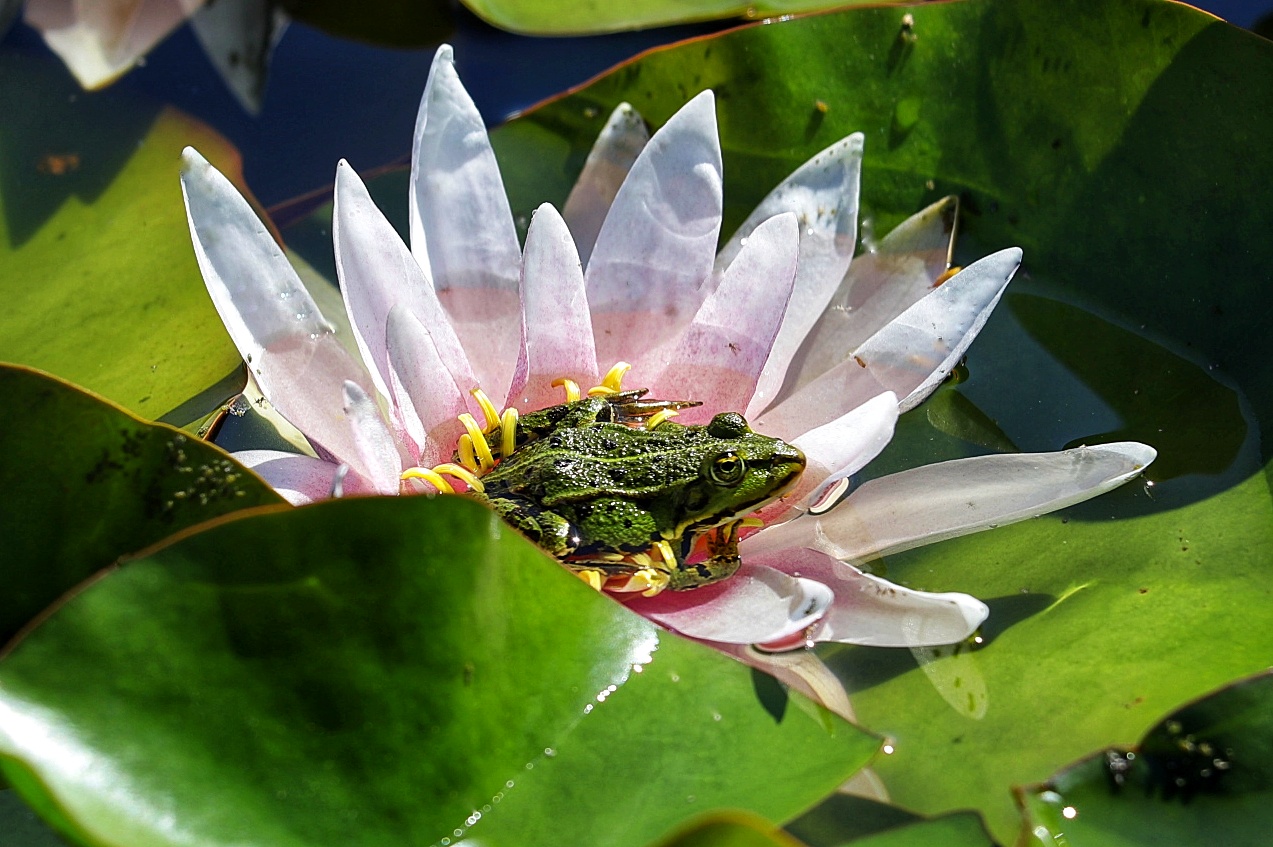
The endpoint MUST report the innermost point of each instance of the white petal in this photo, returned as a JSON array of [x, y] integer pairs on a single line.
[[823, 194], [874, 612], [833, 452], [299, 479], [616, 148], [378, 458], [99, 41], [462, 229], [915, 351], [935, 502], [376, 273], [427, 402], [289, 347], [557, 328], [720, 356], [838, 391], [879, 286], [646, 277], [757, 604]]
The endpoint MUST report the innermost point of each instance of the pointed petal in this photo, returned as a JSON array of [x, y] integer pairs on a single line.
[[756, 604], [616, 148], [719, 357], [462, 229], [290, 348], [646, 277], [557, 328], [376, 273], [426, 399], [879, 286], [831, 395], [299, 479], [833, 451], [378, 460], [823, 194], [935, 502], [874, 612], [915, 351]]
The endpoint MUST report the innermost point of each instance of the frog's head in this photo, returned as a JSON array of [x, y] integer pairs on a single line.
[[739, 471]]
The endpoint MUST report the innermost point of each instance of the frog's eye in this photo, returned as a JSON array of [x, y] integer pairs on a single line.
[[728, 469], [728, 425]]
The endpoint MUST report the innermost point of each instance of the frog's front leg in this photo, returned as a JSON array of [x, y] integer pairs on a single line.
[[722, 560], [553, 533]]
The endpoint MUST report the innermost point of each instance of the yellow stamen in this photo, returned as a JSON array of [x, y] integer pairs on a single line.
[[430, 476], [752, 522], [572, 388], [648, 581], [612, 382], [467, 457], [485, 461], [659, 417], [594, 578], [949, 272], [665, 551], [488, 410], [508, 432], [469, 478]]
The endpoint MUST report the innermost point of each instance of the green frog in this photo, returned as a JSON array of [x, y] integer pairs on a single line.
[[618, 499]]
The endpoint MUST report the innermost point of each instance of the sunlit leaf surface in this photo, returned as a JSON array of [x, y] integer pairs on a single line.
[[1121, 146], [83, 483], [387, 671], [563, 17], [1203, 775], [97, 277]]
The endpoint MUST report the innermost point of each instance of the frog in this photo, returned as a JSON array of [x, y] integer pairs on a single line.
[[621, 502]]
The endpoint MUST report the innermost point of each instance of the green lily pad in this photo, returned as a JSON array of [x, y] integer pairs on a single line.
[[21, 826], [396, 23], [731, 830], [85, 483], [387, 671], [844, 819], [97, 275], [1118, 144], [1204, 773]]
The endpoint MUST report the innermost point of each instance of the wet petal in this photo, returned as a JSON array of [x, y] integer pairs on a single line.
[[834, 451], [378, 460], [721, 353], [426, 400], [376, 273], [880, 285], [656, 247], [616, 148], [557, 328], [756, 604], [299, 479], [958, 498], [290, 348], [915, 351], [471, 250], [823, 194]]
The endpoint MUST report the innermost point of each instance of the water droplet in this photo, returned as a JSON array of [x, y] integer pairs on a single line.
[[690, 798], [549, 752], [716, 716], [508, 784], [676, 677]]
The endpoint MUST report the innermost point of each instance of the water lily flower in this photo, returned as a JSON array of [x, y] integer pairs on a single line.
[[778, 324]]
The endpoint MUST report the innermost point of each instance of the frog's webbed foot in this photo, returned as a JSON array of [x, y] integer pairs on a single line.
[[722, 559]]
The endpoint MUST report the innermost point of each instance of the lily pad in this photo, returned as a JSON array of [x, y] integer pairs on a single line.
[[84, 483], [1203, 773], [1118, 144], [96, 271], [844, 819], [380, 671]]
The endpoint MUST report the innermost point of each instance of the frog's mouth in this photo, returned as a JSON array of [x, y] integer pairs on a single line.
[[787, 463]]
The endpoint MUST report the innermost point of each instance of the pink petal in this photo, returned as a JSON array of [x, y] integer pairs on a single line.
[[720, 355], [378, 459], [299, 479], [828, 397], [756, 604], [289, 347], [833, 451], [557, 325], [462, 229], [376, 273], [916, 350], [949, 499], [874, 612], [880, 285], [616, 148], [823, 194], [646, 277], [426, 399]]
